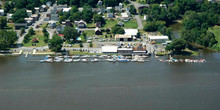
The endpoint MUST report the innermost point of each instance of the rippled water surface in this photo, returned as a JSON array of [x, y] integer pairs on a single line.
[[109, 86]]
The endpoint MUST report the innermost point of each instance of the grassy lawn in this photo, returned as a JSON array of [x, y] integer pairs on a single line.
[[43, 25], [110, 23], [216, 31], [40, 37], [91, 25], [89, 33], [10, 26], [131, 24]]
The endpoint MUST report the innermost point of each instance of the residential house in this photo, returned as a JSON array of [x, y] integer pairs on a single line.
[[66, 10], [52, 24], [20, 25], [98, 31], [139, 49], [98, 24], [142, 6], [35, 17], [110, 15], [43, 8], [80, 9], [121, 5], [125, 16], [49, 4], [99, 3], [2, 13], [9, 16], [81, 24], [60, 29], [37, 10], [29, 21], [29, 12], [68, 23], [108, 9]]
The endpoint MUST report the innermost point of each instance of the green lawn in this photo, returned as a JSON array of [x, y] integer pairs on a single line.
[[110, 23], [216, 31], [131, 24], [40, 37], [43, 25], [89, 33]]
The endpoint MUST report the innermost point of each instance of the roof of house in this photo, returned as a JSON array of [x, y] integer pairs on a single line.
[[109, 8], [1, 10], [158, 37], [124, 15], [66, 9], [34, 39], [110, 49], [131, 31], [81, 21], [97, 29], [122, 36], [29, 11]]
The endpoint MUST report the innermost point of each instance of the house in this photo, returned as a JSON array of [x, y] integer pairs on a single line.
[[68, 23], [52, 24], [35, 40], [60, 7], [20, 25], [142, 6], [98, 31], [95, 10], [35, 17], [2, 13], [102, 9], [139, 49], [37, 10], [99, 3], [132, 32], [80, 9], [60, 28], [121, 5], [98, 24], [9, 16], [29, 12], [43, 8], [66, 10], [81, 24], [125, 17], [118, 9], [145, 17], [157, 39], [108, 9], [29, 21], [123, 37], [54, 17], [49, 4], [109, 15], [109, 49], [46, 19], [121, 24]]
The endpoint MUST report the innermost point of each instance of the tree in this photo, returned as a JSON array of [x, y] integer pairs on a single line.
[[7, 38], [22, 31], [90, 44], [31, 31], [75, 17], [154, 26], [55, 44], [133, 9], [70, 33], [98, 18], [177, 45], [3, 22], [80, 44], [19, 16], [117, 30]]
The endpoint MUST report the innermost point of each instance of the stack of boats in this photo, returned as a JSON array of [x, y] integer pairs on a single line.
[[93, 58], [183, 60]]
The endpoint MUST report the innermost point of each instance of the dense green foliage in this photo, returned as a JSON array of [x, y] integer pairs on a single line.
[[3, 22], [99, 18], [117, 30], [28, 35], [133, 9], [55, 44], [46, 35], [22, 31], [19, 15], [177, 45], [7, 38], [70, 34]]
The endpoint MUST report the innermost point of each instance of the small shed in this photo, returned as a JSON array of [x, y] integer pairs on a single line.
[[35, 40], [98, 31]]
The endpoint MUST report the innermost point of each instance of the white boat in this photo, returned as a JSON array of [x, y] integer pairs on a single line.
[[67, 60], [85, 60], [112, 60], [123, 60], [76, 60], [108, 59], [134, 60], [75, 56], [94, 60], [49, 60], [94, 56], [84, 56]]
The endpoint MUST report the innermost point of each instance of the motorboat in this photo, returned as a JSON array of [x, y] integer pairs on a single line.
[[112, 60], [134, 60], [85, 60], [123, 60], [68, 60], [49, 60], [94, 60], [141, 60], [75, 56], [76, 60]]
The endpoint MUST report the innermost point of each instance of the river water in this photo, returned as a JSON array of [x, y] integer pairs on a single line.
[[109, 86]]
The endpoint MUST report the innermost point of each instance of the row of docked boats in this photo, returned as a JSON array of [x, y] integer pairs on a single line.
[[87, 58], [183, 60]]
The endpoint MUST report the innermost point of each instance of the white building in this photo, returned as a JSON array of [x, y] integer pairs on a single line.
[[29, 12], [108, 9], [158, 39], [109, 15], [2, 12], [132, 32], [109, 49], [66, 9]]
